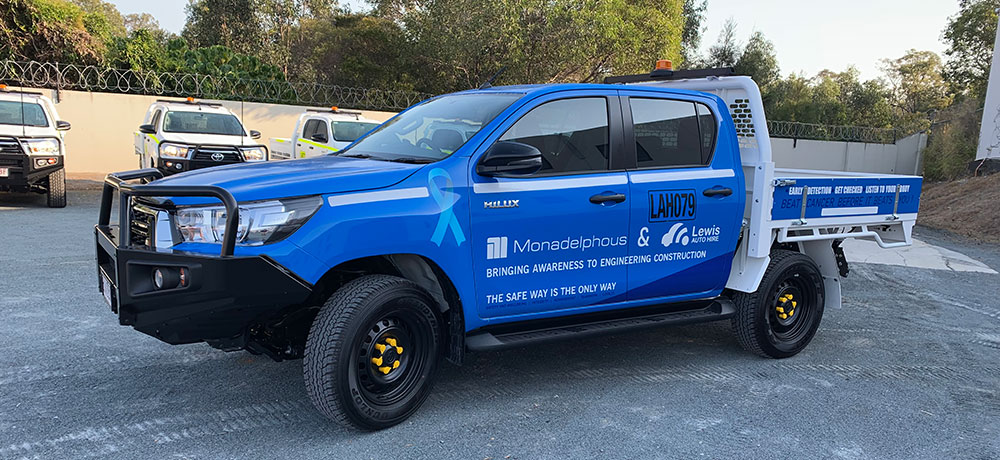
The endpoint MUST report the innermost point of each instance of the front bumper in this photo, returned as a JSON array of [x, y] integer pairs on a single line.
[[223, 297], [22, 172]]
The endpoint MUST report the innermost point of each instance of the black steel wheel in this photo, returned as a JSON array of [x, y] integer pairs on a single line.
[[372, 352], [782, 316]]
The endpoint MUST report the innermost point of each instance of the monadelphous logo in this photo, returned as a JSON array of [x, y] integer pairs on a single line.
[[496, 247]]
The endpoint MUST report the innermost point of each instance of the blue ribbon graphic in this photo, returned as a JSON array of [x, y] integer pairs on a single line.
[[445, 200]]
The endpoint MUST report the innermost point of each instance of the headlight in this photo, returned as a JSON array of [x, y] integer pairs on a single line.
[[258, 153], [168, 150], [45, 146], [261, 222]]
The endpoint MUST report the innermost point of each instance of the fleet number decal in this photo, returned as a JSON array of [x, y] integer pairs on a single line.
[[668, 205]]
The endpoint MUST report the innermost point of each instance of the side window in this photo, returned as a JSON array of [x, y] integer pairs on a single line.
[[667, 133], [572, 134], [156, 119], [314, 127], [706, 122]]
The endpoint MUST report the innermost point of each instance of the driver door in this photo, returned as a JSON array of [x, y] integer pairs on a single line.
[[554, 240]]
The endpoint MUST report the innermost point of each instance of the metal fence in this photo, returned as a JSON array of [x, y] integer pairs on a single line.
[[812, 131], [101, 79], [109, 80]]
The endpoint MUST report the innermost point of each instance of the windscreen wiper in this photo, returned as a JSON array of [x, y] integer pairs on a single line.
[[413, 160]]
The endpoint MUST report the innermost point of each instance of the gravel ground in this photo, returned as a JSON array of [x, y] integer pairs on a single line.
[[909, 368]]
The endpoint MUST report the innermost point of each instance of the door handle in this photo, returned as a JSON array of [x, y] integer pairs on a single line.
[[725, 191], [601, 199]]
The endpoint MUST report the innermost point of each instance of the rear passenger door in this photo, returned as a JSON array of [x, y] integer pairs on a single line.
[[687, 204]]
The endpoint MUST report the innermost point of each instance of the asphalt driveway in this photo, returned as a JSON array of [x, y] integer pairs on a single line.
[[909, 368]]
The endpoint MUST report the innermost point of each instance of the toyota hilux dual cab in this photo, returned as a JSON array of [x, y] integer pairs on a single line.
[[178, 136], [32, 149], [320, 132], [563, 210]]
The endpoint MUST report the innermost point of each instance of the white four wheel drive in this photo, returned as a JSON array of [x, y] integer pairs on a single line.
[[32, 150], [319, 132], [178, 136]]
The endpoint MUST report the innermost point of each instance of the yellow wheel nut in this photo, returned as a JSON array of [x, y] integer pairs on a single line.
[[399, 350], [792, 312], [377, 361], [391, 341], [782, 316], [789, 296], [380, 347], [385, 370], [395, 364], [780, 310], [793, 304]]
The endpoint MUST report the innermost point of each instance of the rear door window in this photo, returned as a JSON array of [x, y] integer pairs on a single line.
[[670, 133]]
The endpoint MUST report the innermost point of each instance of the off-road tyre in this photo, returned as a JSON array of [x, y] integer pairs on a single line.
[[56, 190], [757, 322], [340, 375]]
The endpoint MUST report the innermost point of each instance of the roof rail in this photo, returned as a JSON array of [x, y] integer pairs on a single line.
[[208, 104], [659, 75], [356, 113], [3, 89]]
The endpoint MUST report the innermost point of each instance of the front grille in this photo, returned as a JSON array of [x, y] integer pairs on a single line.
[[13, 162], [10, 146], [141, 225], [209, 156]]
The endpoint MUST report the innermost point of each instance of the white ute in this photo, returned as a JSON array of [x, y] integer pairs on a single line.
[[32, 149], [319, 132], [178, 136]]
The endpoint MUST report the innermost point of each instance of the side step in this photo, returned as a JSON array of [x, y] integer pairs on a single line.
[[718, 309]]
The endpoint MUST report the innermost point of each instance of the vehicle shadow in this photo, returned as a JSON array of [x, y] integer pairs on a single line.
[[11, 200]]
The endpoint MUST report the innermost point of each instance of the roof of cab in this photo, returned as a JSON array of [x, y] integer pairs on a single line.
[[182, 106], [540, 89]]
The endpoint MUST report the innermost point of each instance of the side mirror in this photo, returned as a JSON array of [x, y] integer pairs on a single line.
[[254, 134], [62, 125], [147, 129], [508, 158], [321, 138]]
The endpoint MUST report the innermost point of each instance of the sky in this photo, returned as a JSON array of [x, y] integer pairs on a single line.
[[808, 35]]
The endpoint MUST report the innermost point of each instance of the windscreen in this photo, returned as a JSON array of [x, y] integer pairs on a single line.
[[349, 131], [434, 129], [17, 113], [202, 123]]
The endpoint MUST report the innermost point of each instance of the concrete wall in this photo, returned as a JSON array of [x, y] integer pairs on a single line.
[[103, 125], [903, 157]]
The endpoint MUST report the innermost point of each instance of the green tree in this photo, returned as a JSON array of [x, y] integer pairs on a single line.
[[918, 88], [353, 50], [230, 23], [694, 18], [49, 30], [727, 49], [459, 43], [970, 35], [758, 60]]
